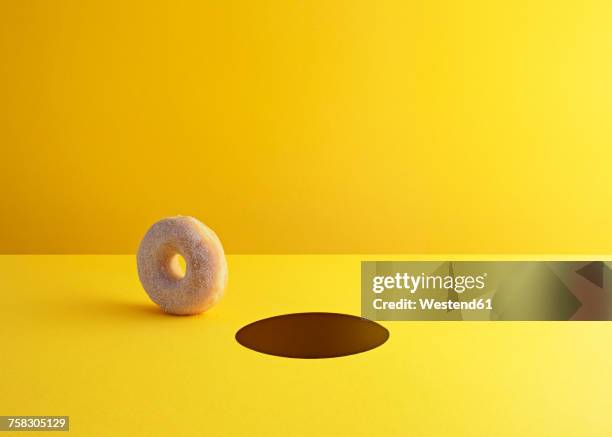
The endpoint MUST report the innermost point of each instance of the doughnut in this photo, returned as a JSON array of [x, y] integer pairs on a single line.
[[160, 274]]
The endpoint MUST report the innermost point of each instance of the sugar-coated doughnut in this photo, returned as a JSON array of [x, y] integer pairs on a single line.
[[205, 276]]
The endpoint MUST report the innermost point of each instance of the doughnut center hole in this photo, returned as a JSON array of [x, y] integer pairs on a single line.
[[177, 266], [312, 335]]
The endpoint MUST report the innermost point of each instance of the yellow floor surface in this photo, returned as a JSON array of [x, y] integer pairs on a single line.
[[79, 337]]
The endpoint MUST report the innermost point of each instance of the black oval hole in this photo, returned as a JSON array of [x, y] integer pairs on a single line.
[[312, 335]]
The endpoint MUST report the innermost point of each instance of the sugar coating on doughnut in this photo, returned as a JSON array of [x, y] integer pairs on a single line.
[[205, 272]]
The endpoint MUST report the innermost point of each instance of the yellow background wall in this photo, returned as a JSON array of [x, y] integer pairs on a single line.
[[297, 126]]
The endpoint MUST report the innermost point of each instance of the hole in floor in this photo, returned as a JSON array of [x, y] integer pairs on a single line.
[[312, 335]]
